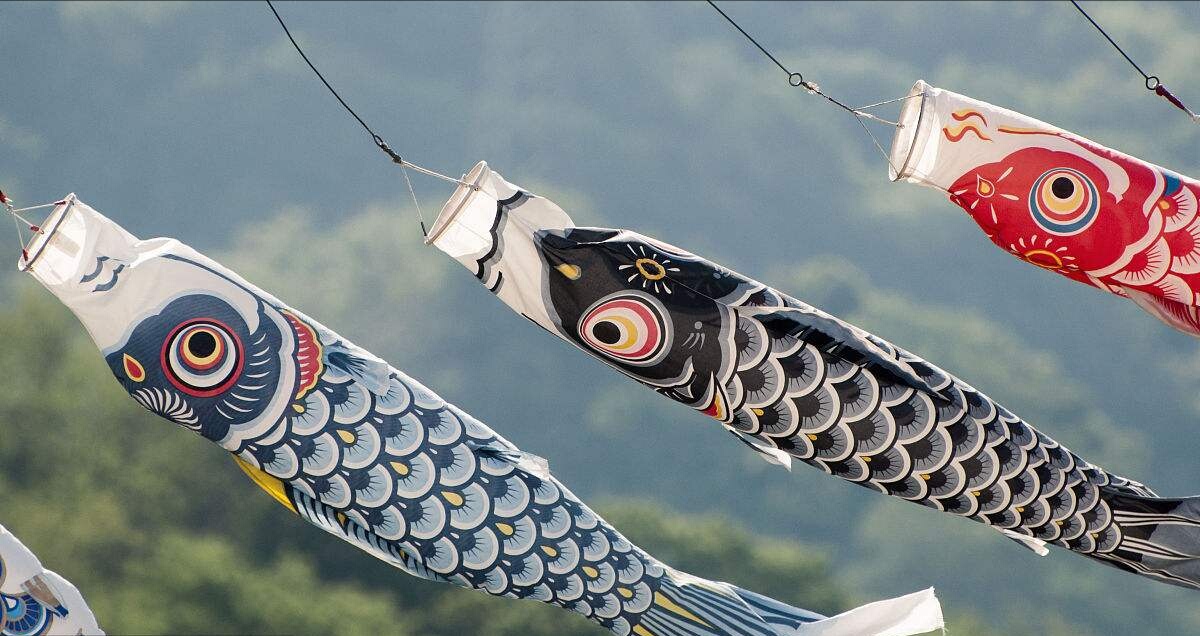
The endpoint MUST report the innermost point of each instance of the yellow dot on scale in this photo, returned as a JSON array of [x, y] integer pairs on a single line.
[[1020, 508], [299, 408], [625, 592], [975, 493], [758, 412], [1163, 205], [505, 529], [591, 572], [812, 437], [550, 552], [401, 469], [925, 477], [346, 436], [454, 498], [867, 459], [341, 518]]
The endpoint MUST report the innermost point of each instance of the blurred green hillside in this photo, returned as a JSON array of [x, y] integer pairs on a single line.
[[197, 121]]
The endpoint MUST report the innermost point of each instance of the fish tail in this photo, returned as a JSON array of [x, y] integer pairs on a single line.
[[684, 605], [1157, 537]]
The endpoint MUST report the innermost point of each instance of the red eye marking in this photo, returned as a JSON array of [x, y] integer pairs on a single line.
[[133, 368]]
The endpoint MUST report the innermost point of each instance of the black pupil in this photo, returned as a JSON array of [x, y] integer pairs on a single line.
[[1062, 187], [606, 332], [201, 344]]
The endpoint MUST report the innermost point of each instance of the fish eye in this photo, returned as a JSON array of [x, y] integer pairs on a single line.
[[1064, 201], [202, 357], [628, 327]]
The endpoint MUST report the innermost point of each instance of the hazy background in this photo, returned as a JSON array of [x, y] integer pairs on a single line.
[[199, 121]]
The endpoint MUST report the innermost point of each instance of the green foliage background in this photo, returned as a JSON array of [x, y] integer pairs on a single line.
[[197, 120]]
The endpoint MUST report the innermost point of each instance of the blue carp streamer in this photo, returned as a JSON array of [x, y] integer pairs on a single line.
[[368, 454], [796, 383], [35, 601]]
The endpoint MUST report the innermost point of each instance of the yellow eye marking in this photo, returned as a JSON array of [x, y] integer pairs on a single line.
[[650, 269]]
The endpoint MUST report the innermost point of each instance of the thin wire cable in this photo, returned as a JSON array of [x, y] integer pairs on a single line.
[[374, 136], [416, 204], [1152, 82], [797, 79]]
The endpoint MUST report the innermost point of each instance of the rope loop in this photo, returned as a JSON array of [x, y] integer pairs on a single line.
[[795, 79]]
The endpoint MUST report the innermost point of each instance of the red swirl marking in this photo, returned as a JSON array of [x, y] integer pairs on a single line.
[[961, 131], [963, 115]]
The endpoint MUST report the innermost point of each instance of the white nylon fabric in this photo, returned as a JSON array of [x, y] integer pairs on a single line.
[[22, 576], [943, 135], [501, 218]]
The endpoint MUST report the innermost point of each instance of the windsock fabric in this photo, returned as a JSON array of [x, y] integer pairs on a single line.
[[35, 601], [793, 382], [368, 454], [1059, 201]]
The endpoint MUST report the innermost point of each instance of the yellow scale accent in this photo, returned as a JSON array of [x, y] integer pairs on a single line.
[[661, 600], [341, 518], [347, 436], [570, 271], [925, 476], [550, 552], [625, 592], [505, 529], [271, 485], [642, 631], [1020, 508], [867, 459], [299, 408], [454, 498], [812, 437], [401, 468], [591, 572], [974, 493], [758, 412], [1163, 205]]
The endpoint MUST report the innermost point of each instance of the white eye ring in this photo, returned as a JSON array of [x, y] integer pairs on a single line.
[[204, 373], [627, 326]]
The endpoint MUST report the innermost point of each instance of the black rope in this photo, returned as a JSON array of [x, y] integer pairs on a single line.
[[1113, 42], [1152, 81], [750, 37], [374, 137], [795, 79]]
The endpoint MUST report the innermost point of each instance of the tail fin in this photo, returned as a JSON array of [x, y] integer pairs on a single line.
[[1159, 538], [685, 605]]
